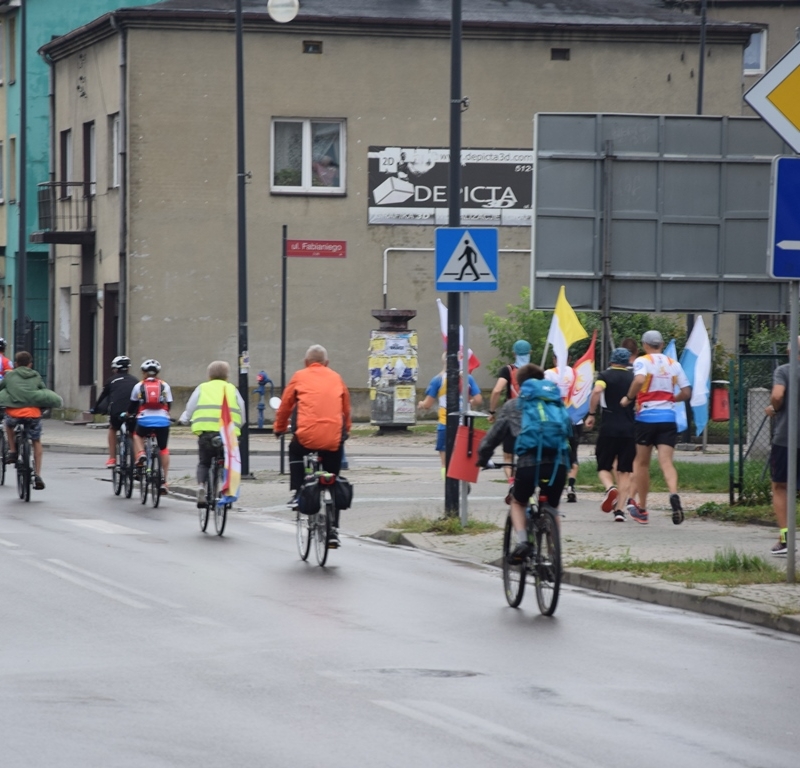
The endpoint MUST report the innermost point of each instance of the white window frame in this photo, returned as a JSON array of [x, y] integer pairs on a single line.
[[306, 186], [762, 59], [93, 159]]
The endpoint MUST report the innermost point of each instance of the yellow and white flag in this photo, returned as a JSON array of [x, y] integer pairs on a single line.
[[565, 330]]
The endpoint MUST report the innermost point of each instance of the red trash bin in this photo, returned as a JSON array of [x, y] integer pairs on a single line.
[[463, 466], [720, 402]]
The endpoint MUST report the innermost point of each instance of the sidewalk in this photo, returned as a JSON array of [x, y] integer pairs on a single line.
[[392, 482]]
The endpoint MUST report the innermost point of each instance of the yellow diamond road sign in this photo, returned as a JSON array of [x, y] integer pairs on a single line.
[[776, 97]]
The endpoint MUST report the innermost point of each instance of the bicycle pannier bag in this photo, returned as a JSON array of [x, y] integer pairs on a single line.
[[342, 493], [308, 499]]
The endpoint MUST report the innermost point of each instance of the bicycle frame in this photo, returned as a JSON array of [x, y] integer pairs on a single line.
[[25, 459]]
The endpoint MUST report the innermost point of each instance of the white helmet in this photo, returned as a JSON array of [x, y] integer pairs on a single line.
[[151, 366], [121, 363]]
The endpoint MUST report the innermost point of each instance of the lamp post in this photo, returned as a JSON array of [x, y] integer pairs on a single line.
[[21, 340], [281, 11]]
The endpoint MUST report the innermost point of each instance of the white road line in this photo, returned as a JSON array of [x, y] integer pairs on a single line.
[[103, 526], [115, 584], [497, 738], [276, 525], [88, 585], [5, 543]]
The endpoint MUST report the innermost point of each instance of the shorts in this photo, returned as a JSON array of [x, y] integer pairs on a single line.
[[608, 448], [161, 433], [551, 487], [34, 426], [115, 422], [779, 464], [577, 431], [656, 433], [509, 442], [441, 438]]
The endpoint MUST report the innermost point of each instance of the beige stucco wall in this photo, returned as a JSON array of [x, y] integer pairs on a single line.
[[392, 91]]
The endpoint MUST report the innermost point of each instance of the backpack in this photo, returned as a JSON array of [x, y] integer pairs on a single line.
[[513, 387], [546, 425], [152, 394]]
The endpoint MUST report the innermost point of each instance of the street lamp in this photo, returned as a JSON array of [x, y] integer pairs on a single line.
[[281, 11]]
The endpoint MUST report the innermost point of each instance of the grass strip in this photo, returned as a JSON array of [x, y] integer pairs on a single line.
[[446, 526], [728, 568]]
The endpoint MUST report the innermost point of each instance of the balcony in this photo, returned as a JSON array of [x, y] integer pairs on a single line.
[[66, 213]]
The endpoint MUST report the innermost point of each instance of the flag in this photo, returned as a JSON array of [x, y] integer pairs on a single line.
[[580, 391], [233, 460], [472, 360], [696, 362], [681, 420], [565, 329]]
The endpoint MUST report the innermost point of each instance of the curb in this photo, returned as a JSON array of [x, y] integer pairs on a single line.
[[633, 588]]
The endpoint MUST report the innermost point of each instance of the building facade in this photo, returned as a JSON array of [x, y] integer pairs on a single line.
[[343, 91]]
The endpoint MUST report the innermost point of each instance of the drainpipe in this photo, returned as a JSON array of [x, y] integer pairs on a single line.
[[122, 329], [51, 256]]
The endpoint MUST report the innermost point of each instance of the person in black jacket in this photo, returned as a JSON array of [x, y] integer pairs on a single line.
[[114, 400]]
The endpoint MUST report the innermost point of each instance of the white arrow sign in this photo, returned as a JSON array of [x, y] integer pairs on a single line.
[[789, 245]]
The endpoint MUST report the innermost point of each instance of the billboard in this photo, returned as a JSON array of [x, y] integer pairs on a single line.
[[409, 185]]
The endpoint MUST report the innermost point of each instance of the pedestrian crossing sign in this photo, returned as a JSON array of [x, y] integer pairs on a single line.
[[466, 259]]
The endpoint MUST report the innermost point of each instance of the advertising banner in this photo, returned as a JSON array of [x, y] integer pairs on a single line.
[[409, 185]]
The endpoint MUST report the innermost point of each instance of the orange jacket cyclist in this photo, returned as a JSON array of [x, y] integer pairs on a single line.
[[151, 399]]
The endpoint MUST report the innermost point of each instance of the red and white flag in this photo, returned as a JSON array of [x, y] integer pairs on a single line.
[[472, 360]]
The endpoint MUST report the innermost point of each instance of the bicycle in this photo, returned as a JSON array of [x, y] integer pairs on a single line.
[[123, 471], [215, 472], [3, 448], [543, 561], [150, 475], [25, 459], [317, 527]]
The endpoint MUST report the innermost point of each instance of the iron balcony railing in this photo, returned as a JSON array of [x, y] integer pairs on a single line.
[[66, 206]]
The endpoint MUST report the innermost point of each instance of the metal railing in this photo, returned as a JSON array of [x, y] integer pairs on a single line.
[[66, 206]]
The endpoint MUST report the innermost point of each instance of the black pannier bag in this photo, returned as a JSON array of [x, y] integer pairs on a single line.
[[308, 498], [342, 493]]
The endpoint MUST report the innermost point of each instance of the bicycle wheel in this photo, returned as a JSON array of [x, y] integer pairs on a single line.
[[211, 494], [24, 471], [118, 473], [127, 470], [513, 575], [220, 512], [3, 453], [305, 532], [144, 482], [547, 561], [155, 478], [321, 530]]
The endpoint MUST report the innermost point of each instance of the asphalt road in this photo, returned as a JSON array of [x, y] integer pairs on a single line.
[[128, 638]]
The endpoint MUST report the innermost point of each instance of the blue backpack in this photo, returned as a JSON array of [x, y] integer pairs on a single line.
[[546, 425]]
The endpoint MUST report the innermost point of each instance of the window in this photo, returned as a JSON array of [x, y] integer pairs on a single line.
[[2, 177], [559, 54], [89, 158], [755, 54], [64, 319], [65, 162], [2, 52], [11, 28], [308, 156], [12, 169], [114, 158]]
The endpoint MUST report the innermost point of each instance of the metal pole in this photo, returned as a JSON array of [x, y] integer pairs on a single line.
[[792, 393], [244, 354], [701, 69], [605, 347], [464, 419], [22, 252], [284, 272], [454, 220]]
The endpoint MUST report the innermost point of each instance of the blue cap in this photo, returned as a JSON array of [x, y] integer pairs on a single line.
[[620, 356], [521, 347]]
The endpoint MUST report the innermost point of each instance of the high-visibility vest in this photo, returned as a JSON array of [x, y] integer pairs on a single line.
[[208, 412]]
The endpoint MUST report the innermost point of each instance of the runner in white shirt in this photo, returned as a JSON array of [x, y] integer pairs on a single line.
[[655, 377], [564, 379]]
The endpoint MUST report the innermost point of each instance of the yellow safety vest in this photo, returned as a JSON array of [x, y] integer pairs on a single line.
[[208, 412]]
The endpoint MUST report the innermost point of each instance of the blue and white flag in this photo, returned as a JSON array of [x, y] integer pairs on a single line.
[[681, 421], [696, 362]]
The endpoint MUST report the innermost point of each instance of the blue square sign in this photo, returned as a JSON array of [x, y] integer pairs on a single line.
[[784, 221], [466, 259]]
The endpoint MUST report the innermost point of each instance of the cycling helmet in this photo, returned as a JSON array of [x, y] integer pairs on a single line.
[[121, 363], [151, 366], [2, 345]]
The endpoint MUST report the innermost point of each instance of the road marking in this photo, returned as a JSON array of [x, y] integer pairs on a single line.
[[276, 525], [115, 584], [497, 738], [103, 526], [5, 543], [88, 585]]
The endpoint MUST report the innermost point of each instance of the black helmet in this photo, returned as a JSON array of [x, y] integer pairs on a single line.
[[121, 363], [2, 345]]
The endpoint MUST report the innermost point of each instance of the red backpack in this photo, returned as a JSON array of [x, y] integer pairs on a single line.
[[513, 387], [151, 395]]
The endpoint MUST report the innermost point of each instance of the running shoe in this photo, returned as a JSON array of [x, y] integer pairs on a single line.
[[619, 516], [780, 548], [333, 539], [111, 463], [518, 555], [677, 511], [610, 499], [141, 459], [638, 514], [571, 497], [11, 457]]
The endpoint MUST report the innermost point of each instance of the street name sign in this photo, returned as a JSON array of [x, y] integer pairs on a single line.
[[776, 97], [330, 249], [466, 259], [784, 221]]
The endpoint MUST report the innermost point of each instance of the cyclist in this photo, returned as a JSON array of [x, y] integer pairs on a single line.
[[323, 419], [5, 364], [23, 394], [204, 410], [150, 401], [551, 469], [117, 393]]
